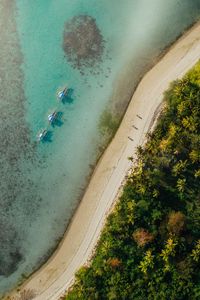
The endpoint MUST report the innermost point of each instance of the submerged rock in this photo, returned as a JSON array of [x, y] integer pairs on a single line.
[[10, 255], [83, 42]]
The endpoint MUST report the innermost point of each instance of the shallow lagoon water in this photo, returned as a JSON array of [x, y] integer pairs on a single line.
[[44, 181]]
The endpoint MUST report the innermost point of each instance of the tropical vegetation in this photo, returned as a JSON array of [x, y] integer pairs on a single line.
[[150, 246]]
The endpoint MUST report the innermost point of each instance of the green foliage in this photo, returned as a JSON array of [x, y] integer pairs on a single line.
[[150, 247], [147, 262], [196, 252], [168, 251]]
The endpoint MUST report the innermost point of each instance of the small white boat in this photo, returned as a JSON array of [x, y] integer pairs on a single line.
[[42, 135], [52, 117], [62, 93]]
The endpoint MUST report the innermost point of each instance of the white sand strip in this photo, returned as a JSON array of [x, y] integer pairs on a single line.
[[50, 281]]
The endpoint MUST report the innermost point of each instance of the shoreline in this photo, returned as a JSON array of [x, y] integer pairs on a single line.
[[54, 277]]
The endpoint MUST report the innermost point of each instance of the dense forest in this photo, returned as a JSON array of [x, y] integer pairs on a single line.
[[150, 246]]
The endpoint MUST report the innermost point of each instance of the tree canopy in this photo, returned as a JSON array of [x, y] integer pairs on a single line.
[[150, 246]]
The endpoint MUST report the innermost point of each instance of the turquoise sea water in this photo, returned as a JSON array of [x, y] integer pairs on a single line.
[[41, 183]]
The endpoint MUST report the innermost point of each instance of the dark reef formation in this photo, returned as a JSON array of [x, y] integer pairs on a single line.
[[9, 251], [83, 42], [18, 199]]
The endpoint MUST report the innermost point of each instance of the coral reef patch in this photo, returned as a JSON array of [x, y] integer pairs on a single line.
[[83, 42]]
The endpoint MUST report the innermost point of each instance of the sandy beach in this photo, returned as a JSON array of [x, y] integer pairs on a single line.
[[55, 277]]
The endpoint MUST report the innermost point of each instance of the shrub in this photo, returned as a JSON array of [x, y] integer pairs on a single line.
[[142, 237], [176, 222]]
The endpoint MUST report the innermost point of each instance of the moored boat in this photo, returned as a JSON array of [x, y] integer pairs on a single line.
[[62, 93], [52, 117], [42, 135]]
